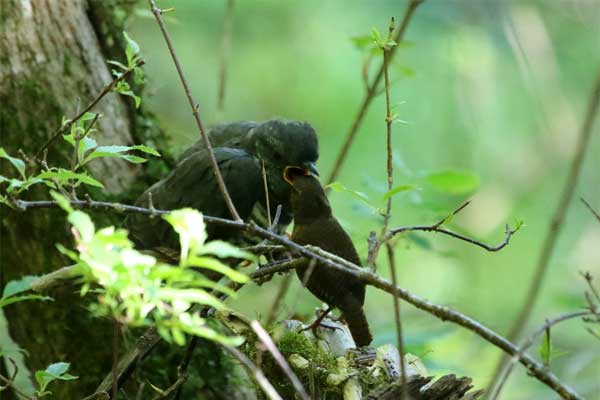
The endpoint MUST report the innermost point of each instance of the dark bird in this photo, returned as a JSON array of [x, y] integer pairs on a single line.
[[241, 150], [314, 224]]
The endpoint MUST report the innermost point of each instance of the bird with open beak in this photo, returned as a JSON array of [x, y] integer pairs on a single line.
[[242, 150], [314, 224]]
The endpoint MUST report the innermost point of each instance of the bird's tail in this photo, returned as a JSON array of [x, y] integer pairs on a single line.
[[358, 324]]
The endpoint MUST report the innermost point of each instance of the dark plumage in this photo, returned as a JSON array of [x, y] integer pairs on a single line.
[[240, 148], [314, 224]]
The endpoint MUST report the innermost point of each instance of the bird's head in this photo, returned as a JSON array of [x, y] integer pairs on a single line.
[[283, 145], [308, 199]]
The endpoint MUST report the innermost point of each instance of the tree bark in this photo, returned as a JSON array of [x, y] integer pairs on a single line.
[[51, 59]]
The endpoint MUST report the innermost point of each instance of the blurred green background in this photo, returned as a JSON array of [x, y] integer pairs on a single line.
[[494, 88]]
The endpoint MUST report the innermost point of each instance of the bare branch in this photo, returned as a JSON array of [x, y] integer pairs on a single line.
[[267, 341], [437, 227], [556, 224], [371, 92], [195, 111]]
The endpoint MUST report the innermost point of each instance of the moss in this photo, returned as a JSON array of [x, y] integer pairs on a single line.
[[321, 364]]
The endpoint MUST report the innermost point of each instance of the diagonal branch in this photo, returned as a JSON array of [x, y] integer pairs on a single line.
[[195, 111], [371, 93]]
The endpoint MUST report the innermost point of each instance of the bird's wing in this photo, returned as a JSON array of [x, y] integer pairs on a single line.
[[192, 184], [224, 135]]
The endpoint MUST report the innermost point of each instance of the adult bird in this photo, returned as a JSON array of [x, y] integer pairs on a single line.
[[314, 224], [241, 150]]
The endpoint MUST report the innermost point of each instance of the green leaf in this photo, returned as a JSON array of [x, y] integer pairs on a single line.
[[85, 145], [62, 201], [146, 149], [16, 162], [189, 224], [340, 188], [117, 64], [363, 41], [454, 182], [546, 348], [134, 159], [131, 49], [197, 296], [84, 225], [223, 249], [18, 286], [398, 189], [65, 175], [5, 301], [53, 372], [376, 37], [217, 266]]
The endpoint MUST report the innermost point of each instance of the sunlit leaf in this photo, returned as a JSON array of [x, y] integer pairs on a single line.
[[454, 182], [223, 249], [189, 224], [134, 159], [62, 201], [83, 223], [217, 266]]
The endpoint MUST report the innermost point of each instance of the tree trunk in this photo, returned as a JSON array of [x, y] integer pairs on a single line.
[[52, 57]]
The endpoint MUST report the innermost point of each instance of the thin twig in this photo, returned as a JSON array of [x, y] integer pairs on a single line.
[[530, 340], [195, 111], [225, 52], [267, 341], [256, 372], [556, 224], [412, 6], [399, 337], [590, 208], [107, 89], [437, 227]]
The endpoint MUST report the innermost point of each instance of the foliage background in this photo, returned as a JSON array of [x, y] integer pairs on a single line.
[[497, 88]]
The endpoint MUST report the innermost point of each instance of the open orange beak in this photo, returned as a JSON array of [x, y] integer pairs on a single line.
[[291, 171]]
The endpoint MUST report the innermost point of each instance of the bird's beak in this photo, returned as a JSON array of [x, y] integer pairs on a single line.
[[310, 168], [307, 169]]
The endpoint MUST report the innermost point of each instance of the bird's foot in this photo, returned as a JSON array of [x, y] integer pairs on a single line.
[[317, 323]]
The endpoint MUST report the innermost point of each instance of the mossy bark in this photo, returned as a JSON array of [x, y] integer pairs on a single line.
[[51, 58]]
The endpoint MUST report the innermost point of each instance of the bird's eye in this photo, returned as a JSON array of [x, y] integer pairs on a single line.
[[277, 157]]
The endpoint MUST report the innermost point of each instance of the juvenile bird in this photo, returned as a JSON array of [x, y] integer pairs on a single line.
[[241, 149], [314, 224]]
